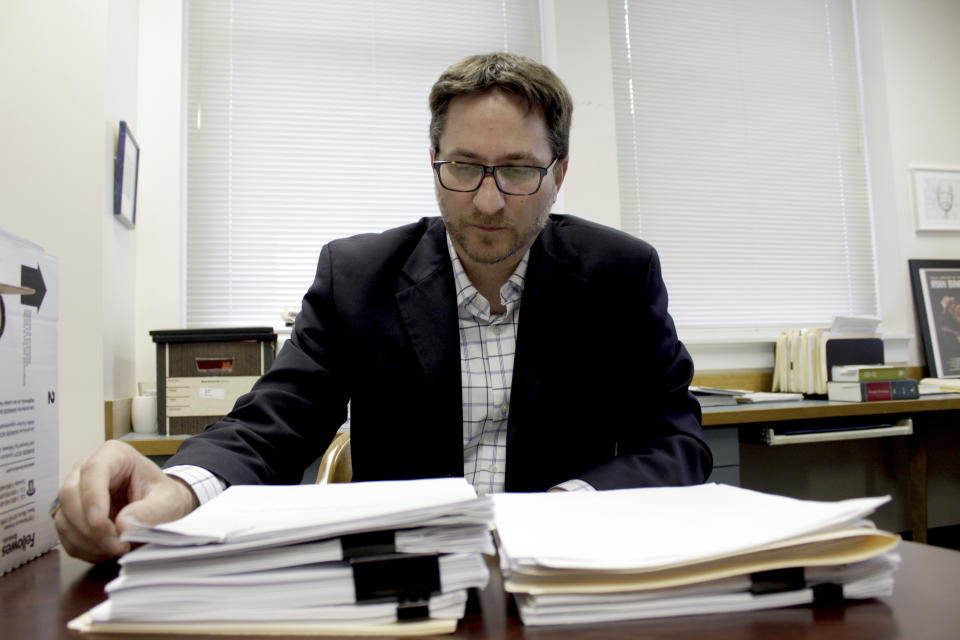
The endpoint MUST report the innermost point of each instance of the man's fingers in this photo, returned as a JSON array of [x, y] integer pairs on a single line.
[[166, 499], [73, 512], [105, 492], [107, 469], [82, 546], [95, 487]]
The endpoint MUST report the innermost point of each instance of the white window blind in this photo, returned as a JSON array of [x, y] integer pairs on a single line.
[[741, 157], [307, 121]]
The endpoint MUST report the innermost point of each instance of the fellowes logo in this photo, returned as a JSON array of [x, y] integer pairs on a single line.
[[14, 543]]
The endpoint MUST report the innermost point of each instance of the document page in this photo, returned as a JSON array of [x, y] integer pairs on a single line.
[[297, 512], [635, 529]]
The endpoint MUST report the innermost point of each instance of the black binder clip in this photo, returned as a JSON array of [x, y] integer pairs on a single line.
[[777, 581], [410, 610], [828, 594], [369, 543], [402, 577]]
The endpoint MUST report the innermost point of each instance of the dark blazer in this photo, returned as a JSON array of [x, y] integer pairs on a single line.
[[599, 383]]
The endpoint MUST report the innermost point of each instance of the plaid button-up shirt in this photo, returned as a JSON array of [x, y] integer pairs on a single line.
[[488, 343]]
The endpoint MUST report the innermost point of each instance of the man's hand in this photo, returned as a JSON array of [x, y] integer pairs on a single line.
[[105, 492]]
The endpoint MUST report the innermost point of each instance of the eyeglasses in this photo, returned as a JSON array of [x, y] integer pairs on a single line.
[[513, 180]]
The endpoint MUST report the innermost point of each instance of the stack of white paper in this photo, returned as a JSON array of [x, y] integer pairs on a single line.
[[639, 553], [337, 559]]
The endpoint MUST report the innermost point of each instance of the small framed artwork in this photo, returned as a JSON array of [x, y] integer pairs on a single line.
[[936, 198], [936, 296], [126, 170]]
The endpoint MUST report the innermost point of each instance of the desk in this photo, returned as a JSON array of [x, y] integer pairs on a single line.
[[810, 409], [39, 598], [743, 418]]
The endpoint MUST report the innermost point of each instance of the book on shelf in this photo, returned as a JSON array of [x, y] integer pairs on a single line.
[[372, 558], [586, 558], [867, 372], [804, 358], [871, 391], [940, 385]]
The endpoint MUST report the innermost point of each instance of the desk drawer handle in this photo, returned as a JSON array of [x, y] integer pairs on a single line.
[[901, 428]]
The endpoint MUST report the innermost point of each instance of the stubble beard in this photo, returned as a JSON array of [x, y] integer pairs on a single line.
[[485, 250], [458, 228]]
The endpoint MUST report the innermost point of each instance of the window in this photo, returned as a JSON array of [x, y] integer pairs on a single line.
[[741, 157], [307, 121]]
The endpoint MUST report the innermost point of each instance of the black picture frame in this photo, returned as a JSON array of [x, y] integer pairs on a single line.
[[126, 172], [936, 297]]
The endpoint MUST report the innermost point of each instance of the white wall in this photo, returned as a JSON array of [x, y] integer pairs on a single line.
[[910, 56], [118, 241], [591, 187], [159, 271], [66, 81], [911, 51]]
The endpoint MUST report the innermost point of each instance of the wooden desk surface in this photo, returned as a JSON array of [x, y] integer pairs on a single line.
[[152, 444], [156, 445], [38, 599], [807, 409]]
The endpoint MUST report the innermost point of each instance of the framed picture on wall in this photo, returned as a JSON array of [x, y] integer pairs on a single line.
[[936, 295], [936, 198], [126, 170]]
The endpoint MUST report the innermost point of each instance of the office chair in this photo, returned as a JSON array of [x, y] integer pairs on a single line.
[[336, 464]]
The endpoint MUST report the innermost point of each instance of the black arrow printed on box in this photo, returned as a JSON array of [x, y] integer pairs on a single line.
[[32, 278]]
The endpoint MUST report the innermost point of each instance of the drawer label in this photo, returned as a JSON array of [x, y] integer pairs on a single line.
[[205, 396]]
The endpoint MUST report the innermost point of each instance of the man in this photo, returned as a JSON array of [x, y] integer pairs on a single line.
[[524, 351]]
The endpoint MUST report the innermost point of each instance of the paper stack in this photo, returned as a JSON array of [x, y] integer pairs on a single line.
[[658, 552], [343, 559]]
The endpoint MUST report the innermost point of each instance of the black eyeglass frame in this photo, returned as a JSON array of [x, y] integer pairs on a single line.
[[492, 170]]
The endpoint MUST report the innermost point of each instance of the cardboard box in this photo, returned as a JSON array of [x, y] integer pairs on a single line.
[[29, 436], [202, 372]]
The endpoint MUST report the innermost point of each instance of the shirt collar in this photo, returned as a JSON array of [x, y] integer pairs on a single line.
[[469, 298]]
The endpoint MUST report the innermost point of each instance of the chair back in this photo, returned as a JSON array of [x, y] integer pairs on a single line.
[[336, 464]]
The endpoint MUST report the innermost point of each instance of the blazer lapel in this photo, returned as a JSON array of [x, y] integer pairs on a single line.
[[428, 306], [553, 287]]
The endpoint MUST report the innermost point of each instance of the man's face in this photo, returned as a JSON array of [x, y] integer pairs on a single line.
[[945, 196], [494, 128], [953, 310]]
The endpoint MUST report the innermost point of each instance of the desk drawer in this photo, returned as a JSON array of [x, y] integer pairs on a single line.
[[726, 475], [724, 444]]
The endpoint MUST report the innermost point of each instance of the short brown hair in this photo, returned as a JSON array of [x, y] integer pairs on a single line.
[[532, 82]]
